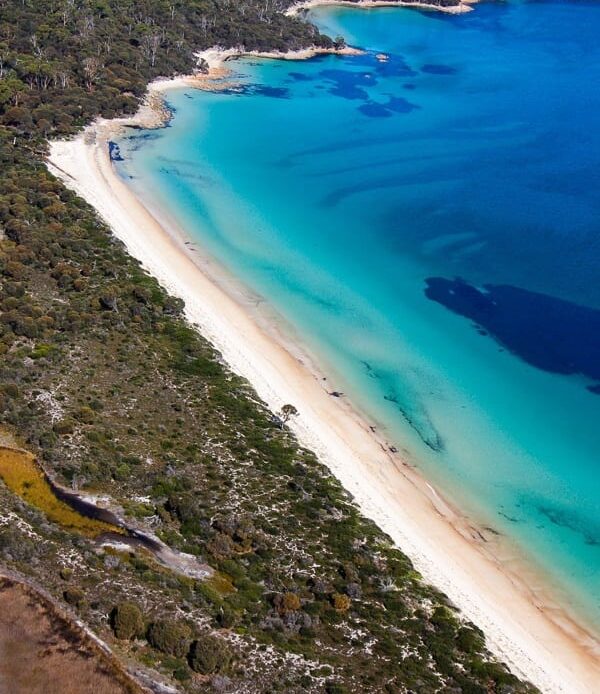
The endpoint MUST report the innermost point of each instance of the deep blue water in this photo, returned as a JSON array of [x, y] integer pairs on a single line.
[[430, 226]]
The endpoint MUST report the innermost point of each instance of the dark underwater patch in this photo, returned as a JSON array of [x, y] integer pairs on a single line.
[[258, 89], [137, 141], [434, 69], [415, 416], [569, 519], [274, 92], [395, 104], [187, 175], [400, 105], [114, 151], [352, 84], [547, 332], [393, 66], [300, 77], [348, 84], [375, 110]]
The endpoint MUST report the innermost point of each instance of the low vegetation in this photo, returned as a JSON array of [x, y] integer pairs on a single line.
[[21, 474], [209, 655]]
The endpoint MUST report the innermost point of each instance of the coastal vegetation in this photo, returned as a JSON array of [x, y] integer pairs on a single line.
[[22, 476], [102, 379]]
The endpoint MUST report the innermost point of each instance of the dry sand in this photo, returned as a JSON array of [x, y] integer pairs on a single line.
[[479, 572], [464, 5]]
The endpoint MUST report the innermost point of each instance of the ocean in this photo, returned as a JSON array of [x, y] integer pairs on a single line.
[[429, 224]]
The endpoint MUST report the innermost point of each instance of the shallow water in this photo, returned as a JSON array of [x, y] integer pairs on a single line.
[[429, 225]]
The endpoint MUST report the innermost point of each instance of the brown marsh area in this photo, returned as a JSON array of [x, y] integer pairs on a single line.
[[41, 651]]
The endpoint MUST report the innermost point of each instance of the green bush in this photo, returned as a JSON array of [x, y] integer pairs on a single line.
[[170, 637], [335, 688], [127, 621], [85, 414], [74, 596], [209, 655], [41, 351], [64, 427], [470, 640]]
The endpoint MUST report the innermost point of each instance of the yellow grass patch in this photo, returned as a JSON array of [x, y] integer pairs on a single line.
[[221, 583], [23, 476]]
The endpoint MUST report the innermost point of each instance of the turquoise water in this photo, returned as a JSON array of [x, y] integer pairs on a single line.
[[430, 226]]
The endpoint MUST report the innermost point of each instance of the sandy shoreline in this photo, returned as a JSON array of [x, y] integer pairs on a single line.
[[213, 75], [461, 8], [523, 624]]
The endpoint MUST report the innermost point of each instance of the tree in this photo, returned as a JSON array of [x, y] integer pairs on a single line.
[[11, 90], [19, 118], [44, 126], [209, 655], [288, 411], [127, 621], [92, 67], [149, 46]]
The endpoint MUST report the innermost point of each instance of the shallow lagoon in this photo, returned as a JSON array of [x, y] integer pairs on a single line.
[[352, 193]]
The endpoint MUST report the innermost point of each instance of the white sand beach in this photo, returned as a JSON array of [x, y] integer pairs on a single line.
[[487, 580], [462, 7]]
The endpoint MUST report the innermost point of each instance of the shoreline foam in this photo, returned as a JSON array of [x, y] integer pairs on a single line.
[[523, 625]]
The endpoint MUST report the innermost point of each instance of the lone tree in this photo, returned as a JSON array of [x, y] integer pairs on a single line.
[[287, 411]]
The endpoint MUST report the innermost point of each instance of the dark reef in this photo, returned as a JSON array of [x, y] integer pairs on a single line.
[[547, 332], [114, 151]]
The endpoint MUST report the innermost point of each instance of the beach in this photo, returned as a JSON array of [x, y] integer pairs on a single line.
[[482, 575], [461, 8]]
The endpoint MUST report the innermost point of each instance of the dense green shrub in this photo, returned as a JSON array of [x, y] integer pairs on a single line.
[[74, 596], [170, 637], [127, 621], [64, 426], [470, 639], [209, 655]]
